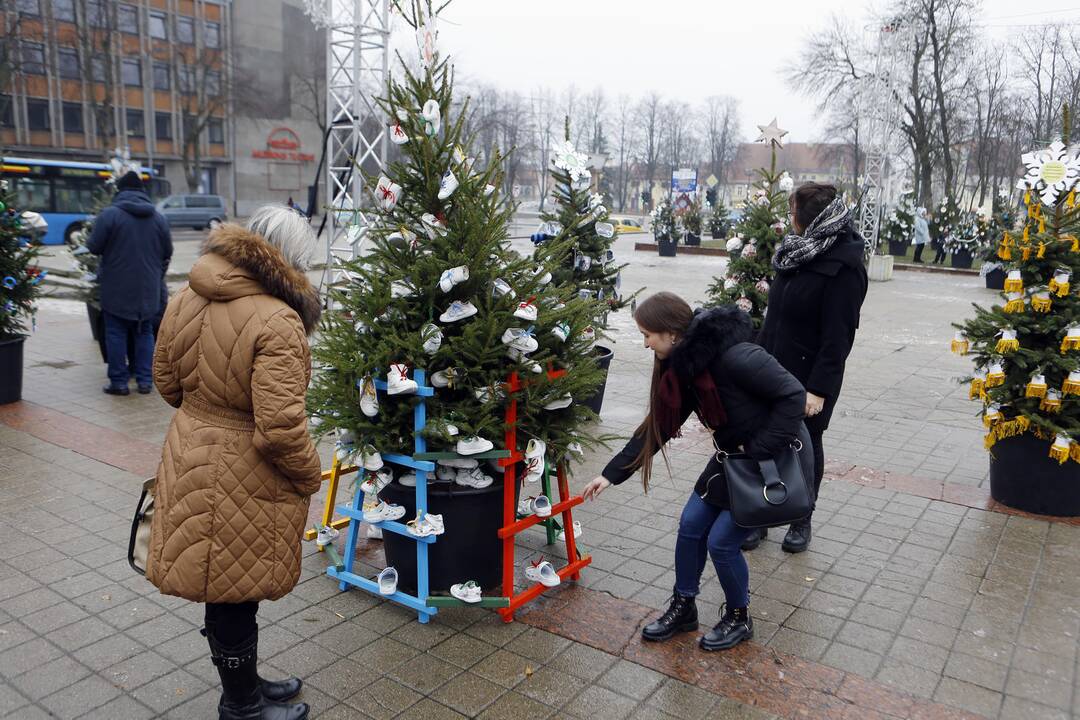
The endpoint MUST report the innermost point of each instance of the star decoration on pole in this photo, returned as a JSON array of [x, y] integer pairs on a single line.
[[771, 134]]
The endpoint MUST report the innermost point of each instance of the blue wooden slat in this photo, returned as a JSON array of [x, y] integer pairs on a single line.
[[391, 525], [373, 587], [406, 461]]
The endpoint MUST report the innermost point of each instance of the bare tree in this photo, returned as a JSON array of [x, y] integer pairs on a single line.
[[676, 131], [625, 143], [650, 116], [545, 120], [1043, 65], [307, 75], [720, 129], [594, 114], [95, 33], [987, 85], [10, 59], [203, 86]]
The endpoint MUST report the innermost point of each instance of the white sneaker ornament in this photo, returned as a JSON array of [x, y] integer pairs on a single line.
[[447, 185], [387, 193], [369, 398], [458, 311], [398, 382], [453, 277], [432, 337]]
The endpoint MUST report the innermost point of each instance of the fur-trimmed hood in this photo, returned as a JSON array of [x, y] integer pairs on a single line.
[[237, 263], [711, 333]]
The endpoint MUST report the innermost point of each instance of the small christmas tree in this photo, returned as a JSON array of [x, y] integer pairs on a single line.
[[662, 222], [764, 222], [439, 289], [691, 217], [718, 220], [1027, 349], [19, 277], [900, 225], [581, 219]]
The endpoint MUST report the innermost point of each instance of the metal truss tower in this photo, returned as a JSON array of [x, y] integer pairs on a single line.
[[879, 110], [357, 70]]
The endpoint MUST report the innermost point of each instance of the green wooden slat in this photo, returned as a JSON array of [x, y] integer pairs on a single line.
[[444, 601], [489, 455]]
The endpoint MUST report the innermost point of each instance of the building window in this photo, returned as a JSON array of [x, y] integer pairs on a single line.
[[161, 77], [99, 69], [68, 63], [95, 14], [37, 114], [185, 30], [215, 130], [33, 58], [64, 10], [185, 79], [127, 19], [131, 73], [212, 34], [136, 124], [73, 117], [158, 25], [7, 111], [28, 7], [213, 83], [163, 126]]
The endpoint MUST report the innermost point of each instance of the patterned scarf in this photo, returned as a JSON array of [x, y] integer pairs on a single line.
[[796, 250]]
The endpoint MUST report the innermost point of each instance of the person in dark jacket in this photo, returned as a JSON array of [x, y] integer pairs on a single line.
[[706, 363], [135, 246], [813, 312]]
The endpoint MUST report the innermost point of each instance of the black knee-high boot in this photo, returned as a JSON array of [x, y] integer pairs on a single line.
[[242, 695]]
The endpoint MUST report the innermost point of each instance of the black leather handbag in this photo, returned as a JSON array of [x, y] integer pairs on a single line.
[[768, 493]]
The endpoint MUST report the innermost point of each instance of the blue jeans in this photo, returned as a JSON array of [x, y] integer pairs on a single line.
[[122, 367], [706, 529]]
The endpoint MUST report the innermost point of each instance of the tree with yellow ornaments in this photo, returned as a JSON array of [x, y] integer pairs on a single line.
[[1026, 348]]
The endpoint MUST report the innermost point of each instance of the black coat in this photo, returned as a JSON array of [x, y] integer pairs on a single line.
[[135, 246], [812, 317], [764, 404]]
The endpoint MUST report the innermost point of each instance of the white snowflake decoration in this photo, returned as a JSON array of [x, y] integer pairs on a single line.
[[573, 162], [1050, 171]]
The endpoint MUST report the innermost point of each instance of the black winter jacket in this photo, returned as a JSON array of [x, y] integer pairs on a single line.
[[763, 402], [135, 246], [811, 320]]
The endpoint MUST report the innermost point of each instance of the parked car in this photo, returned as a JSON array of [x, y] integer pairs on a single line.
[[628, 225], [195, 211]]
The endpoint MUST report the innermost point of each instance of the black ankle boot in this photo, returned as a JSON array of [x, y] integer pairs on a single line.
[[798, 537], [681, 616], [735, 626], [242, 695], [754, 539], [274, 690]]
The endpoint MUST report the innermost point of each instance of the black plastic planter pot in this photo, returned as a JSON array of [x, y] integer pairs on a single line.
[[666, 248], [716, 235], [995, 279], [898, 248], [1025, 477], [692, 239], [603, 359], [470, 549], [961, 259], [11, 369]]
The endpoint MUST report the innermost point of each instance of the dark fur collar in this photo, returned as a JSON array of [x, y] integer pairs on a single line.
[[265, 262], [711, 333]]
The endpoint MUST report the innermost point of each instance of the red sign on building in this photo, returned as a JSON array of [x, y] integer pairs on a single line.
[[283, 144]]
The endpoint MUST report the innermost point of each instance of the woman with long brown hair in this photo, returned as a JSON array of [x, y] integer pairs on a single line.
[[706, 363]]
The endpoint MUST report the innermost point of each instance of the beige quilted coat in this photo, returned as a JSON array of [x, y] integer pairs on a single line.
[[238, 464]]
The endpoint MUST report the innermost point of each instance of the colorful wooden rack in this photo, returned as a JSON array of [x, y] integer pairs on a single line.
[[423, 463]]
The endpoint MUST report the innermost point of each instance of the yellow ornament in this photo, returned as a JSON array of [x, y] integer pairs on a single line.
[[991, 415], [1036, 386], [1071, 386], [1008, 342], [1071, 340], [1041, 302], [960, 344], [1059, 284], [1014, 282], [1014, 303], [1051, 402], [995, 375], [1060, 449], [1042, 250]]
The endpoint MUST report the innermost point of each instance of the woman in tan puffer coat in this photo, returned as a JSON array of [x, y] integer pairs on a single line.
[[238, 465]]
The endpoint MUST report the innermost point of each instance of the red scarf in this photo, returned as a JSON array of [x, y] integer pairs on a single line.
[[667, 406]]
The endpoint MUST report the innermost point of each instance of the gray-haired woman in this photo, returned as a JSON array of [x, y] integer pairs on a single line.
[[238, 464]]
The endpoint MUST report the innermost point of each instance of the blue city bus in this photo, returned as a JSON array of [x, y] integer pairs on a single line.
[[64, 191]]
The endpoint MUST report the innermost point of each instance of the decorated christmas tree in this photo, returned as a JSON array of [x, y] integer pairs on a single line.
[[662, 222], [764, 222], [1026, 349], [437, 288], [19, 277], [718, 220], [691, 217], [900, 225], [580, 219]]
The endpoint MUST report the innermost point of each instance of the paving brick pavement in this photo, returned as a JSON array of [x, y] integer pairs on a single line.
[[905, 606]]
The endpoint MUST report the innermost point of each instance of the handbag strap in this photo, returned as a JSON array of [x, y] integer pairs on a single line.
[[771, 475]]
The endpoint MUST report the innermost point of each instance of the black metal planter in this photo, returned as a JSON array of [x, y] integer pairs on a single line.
[[666, 247], [11, 369], [603, 359], [693, 239], [470, 549], [962, 259], [898, 247], [995, 279], [716, 234], [1025, 477]]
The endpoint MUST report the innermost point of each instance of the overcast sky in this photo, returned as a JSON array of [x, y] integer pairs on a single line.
[[686, 50]]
